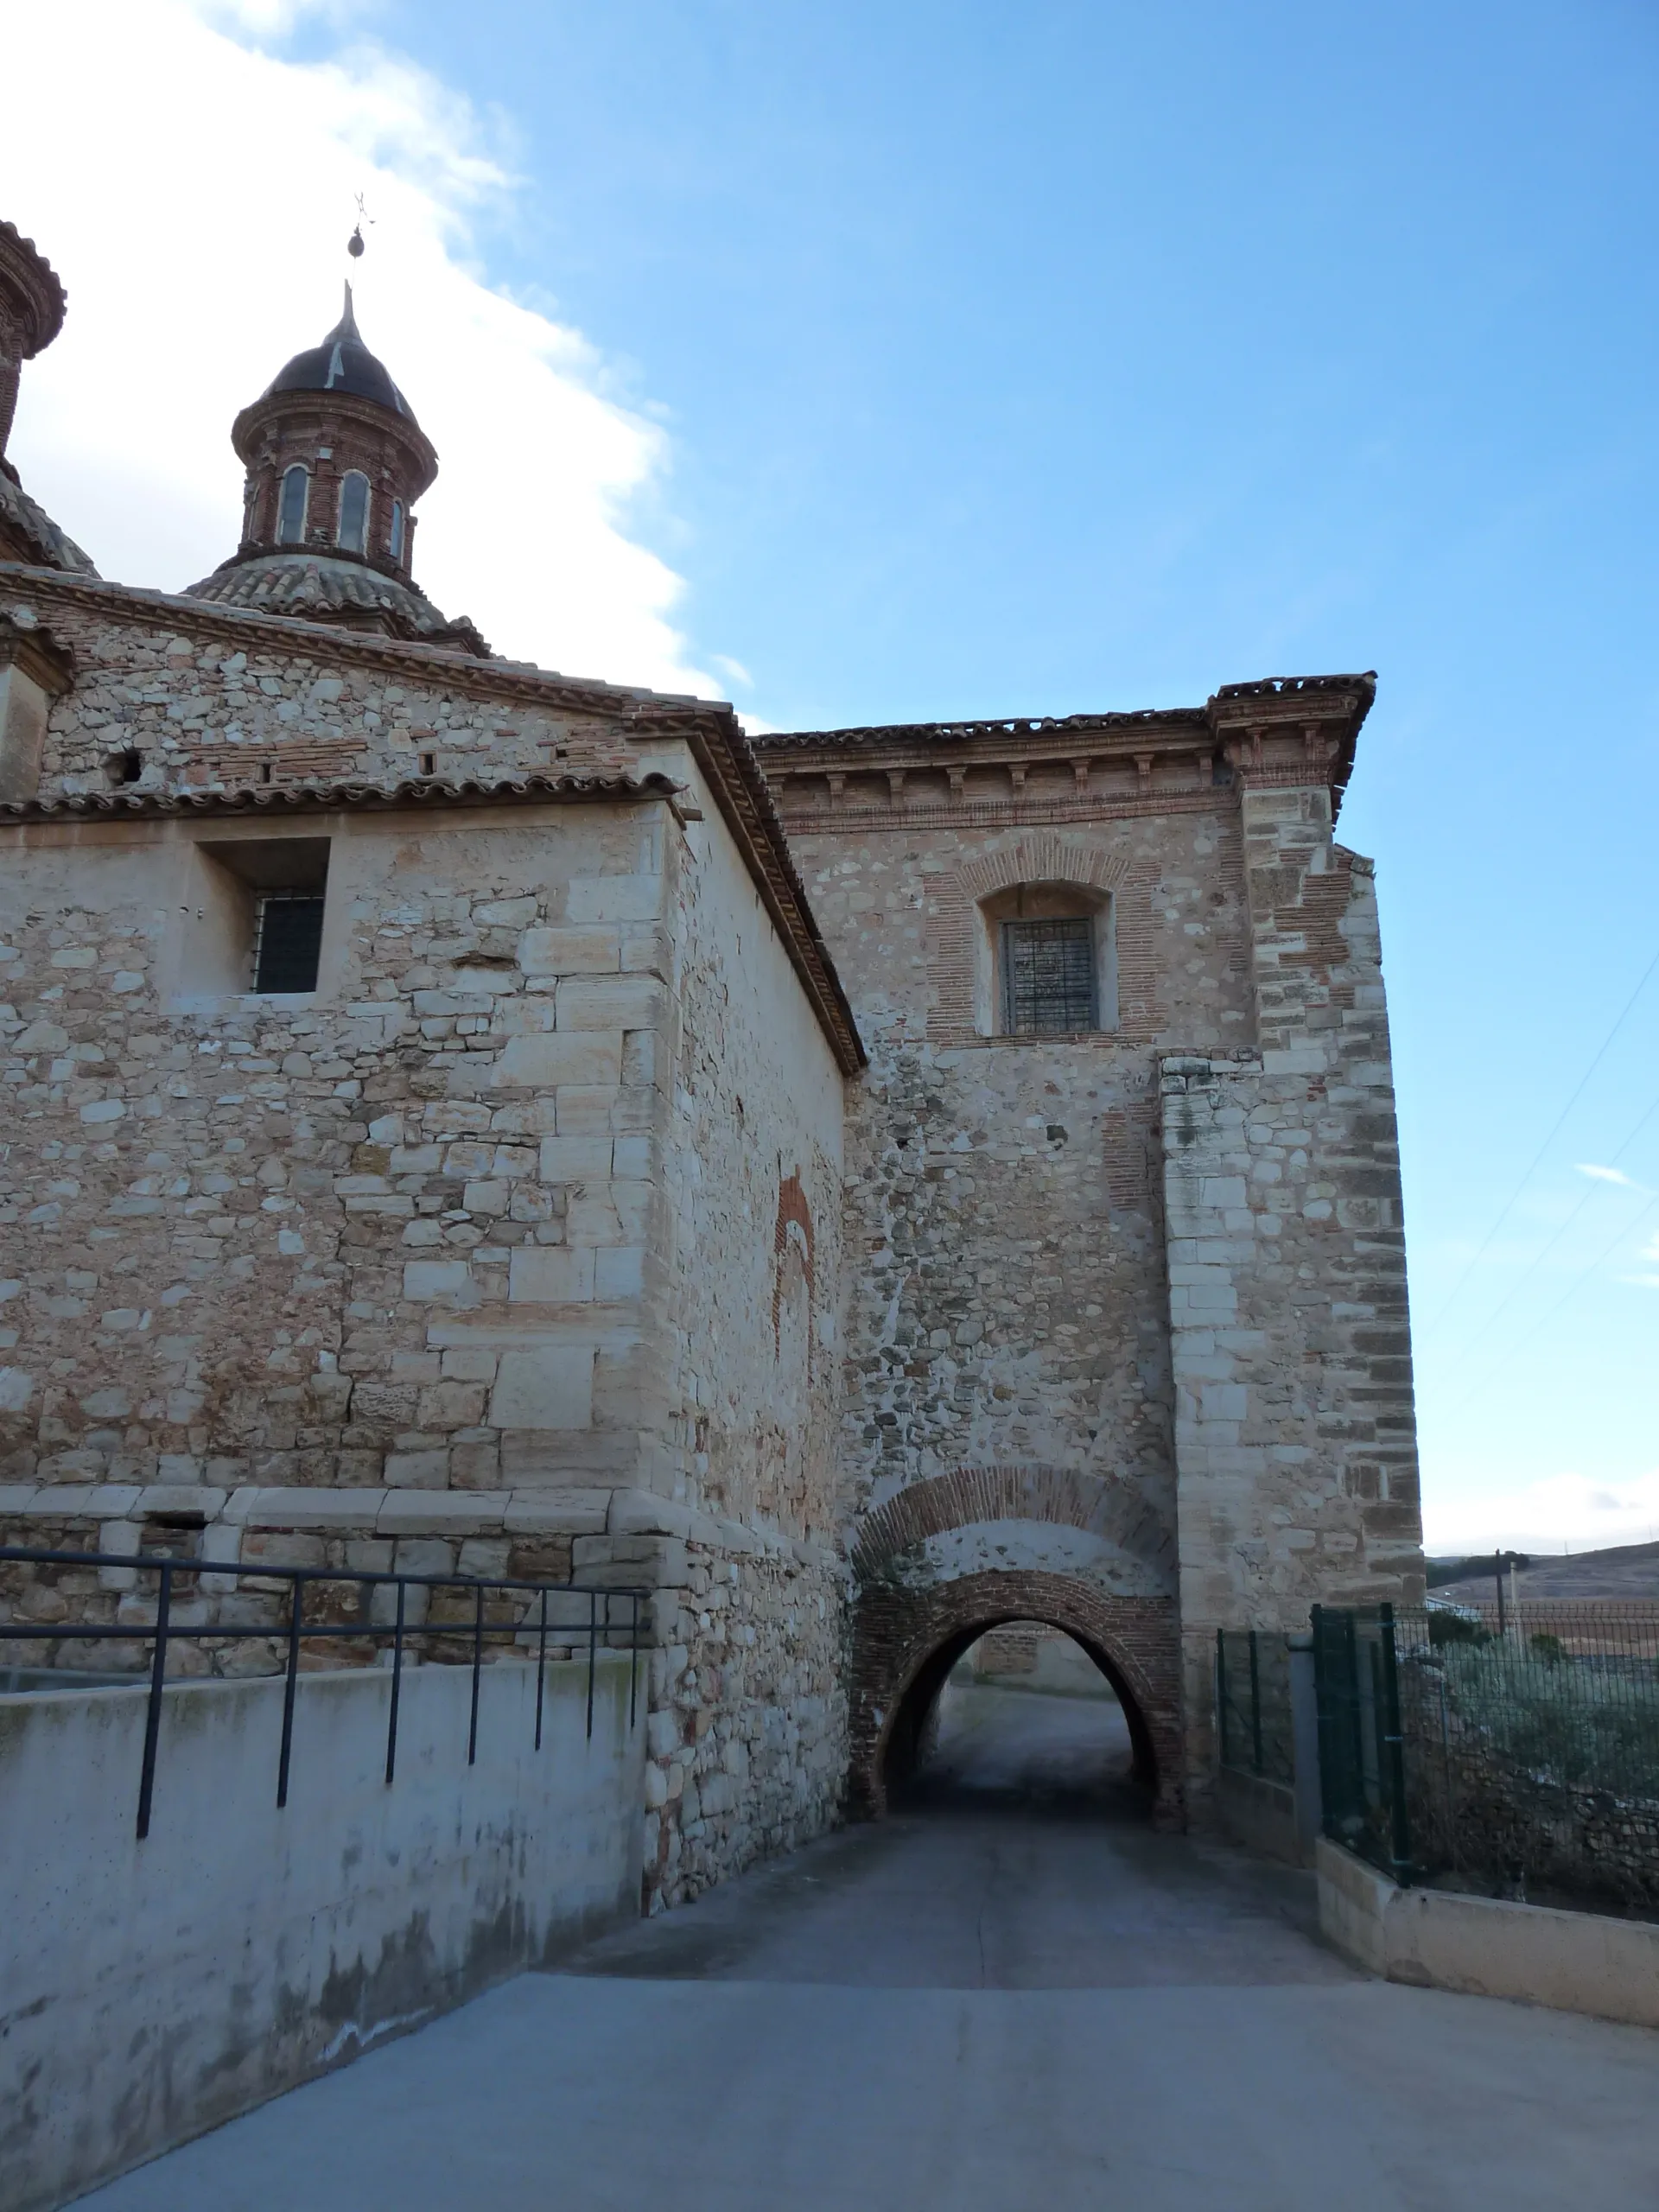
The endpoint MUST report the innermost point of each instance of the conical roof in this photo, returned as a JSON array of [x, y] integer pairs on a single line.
[[342, 363]]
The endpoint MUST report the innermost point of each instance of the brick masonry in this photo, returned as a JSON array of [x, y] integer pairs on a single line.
[[908, 1639]]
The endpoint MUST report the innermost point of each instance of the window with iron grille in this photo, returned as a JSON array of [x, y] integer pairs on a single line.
[[287, 940], [1048, 972]]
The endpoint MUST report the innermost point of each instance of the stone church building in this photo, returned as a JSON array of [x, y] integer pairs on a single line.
[[865, 1184]]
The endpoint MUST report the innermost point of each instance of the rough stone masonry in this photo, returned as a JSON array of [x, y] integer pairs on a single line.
[[565, 1211]]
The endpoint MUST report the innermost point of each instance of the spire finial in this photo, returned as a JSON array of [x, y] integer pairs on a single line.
[[355, 246]]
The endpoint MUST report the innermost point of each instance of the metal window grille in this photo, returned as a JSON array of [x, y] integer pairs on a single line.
[[287, 940], [1048, 969]]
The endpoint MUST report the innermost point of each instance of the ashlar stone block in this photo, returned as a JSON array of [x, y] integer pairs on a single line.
[[585, 1058], [547, 1386], [550, 1275]]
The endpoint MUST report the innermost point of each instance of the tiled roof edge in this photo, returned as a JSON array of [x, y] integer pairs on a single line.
[[1281, 691], [727, 758], [434, 791], [243, 625]]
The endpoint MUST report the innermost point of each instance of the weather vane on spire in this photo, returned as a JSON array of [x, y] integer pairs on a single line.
[[355, 244]]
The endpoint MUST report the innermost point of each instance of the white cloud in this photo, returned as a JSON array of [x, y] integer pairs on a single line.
[[734, 671], [1609, 1175], [195, 194], [1561, 1509]]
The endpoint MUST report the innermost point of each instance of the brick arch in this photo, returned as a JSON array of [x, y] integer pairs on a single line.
[[1063, 1496], [906, 1640], [1040, 856]]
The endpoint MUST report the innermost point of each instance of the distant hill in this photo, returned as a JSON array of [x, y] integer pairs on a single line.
[[1621, 1571]]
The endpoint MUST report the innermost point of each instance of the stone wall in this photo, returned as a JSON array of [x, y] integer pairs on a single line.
[[1294, 1432], [747, 1726], [206, 697], [1089, 1338], [514, 1247], [1006, 1304], [386, 1240]]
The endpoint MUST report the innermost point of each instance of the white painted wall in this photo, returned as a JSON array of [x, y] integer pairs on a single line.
[[150, 1990]]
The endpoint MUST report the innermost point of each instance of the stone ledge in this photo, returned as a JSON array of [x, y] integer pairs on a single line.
[[1486, 1947], [393, 1512]]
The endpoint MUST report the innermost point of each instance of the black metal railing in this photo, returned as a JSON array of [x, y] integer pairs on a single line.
[[532, 1618]]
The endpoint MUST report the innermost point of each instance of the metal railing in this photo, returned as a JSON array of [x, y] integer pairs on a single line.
[[582, 1615], [1362, 1747], [1499, 1747]]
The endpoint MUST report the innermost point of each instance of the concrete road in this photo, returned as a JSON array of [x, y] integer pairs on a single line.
[[1013, 1995]]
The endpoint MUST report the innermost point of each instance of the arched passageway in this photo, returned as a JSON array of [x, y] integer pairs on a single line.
[[907, 1640], [1026, 1720]]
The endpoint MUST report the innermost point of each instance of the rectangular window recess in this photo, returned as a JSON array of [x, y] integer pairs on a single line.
[[287, 940], [1048, 969]]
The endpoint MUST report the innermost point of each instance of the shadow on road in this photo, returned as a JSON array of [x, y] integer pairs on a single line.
[[1028, 1754]]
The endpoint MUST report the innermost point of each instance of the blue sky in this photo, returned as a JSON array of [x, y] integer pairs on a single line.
[[981, 360]]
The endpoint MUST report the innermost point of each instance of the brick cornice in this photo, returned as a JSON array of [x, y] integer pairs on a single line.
[[35, 292], [1282, 729], [368, 416]]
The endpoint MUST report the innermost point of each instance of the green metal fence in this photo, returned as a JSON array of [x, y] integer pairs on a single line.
[[1252, 1704], [1362, 1749], [1512, 1754]]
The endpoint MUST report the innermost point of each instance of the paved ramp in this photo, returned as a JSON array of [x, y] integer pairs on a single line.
[[1012, 1996]]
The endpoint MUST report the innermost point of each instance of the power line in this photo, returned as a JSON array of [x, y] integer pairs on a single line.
[[1570, 1292], [1556, 1130], [1540, 1256]]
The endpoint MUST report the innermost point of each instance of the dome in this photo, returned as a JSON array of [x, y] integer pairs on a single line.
[[342, 363], [315, 586]]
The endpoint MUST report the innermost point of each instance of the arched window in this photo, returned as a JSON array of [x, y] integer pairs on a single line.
[[355, 511], [1049, 960], [290, 512], [396, 541]]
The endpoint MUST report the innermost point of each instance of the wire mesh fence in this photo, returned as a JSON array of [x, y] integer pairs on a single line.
[[1515, 1753]]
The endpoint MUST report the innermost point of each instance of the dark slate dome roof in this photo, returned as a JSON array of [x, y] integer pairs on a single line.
[[342, 363]]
